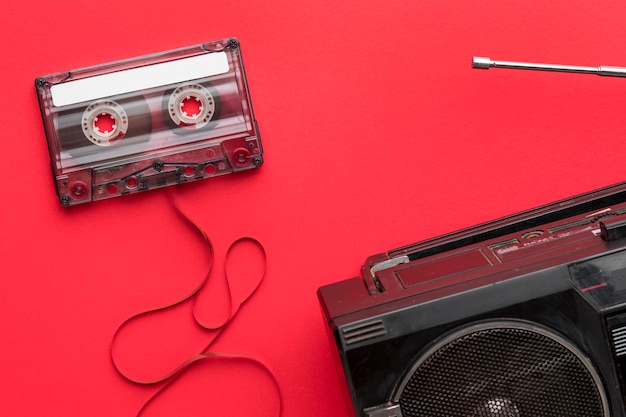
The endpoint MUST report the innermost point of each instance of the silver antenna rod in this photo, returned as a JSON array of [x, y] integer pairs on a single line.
[[486, 63]]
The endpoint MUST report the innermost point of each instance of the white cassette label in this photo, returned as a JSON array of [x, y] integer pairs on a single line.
[[106, 85]]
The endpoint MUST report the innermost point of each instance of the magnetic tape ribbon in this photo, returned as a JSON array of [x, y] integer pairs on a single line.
[[170, 377]]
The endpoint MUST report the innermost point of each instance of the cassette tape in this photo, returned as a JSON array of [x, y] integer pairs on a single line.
[[149, 122]]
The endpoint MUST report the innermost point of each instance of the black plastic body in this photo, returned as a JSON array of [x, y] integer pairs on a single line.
[[549, 266]]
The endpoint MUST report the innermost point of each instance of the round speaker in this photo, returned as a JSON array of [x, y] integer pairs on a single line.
[[502, 369]]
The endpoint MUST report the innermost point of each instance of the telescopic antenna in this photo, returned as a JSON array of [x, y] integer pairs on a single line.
[[486, 63]]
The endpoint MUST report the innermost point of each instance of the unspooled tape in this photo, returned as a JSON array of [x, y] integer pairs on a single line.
[[205, 354]]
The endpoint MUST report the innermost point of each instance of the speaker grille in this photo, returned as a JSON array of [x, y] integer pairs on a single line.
[[502, 369]]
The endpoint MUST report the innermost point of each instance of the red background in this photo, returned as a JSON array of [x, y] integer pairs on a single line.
[[377, 134]]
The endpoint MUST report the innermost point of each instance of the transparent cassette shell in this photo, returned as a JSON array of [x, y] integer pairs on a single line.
[[149, 122]]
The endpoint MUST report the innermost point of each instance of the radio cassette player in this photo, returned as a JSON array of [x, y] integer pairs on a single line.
[[148, 122], [524, 316]]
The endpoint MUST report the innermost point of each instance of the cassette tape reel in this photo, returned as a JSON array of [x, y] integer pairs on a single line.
[[149, 122]]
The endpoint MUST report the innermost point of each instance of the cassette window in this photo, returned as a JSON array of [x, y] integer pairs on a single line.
[[149, 122]]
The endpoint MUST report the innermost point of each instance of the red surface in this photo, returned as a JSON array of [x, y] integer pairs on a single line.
[[377, 134]]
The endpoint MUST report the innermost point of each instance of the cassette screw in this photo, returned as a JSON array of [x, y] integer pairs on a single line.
[[257, 161], [65, 200], [158, 165], [40, 82], [233, 43]]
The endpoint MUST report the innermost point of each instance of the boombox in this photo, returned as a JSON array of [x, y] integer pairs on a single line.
[[524, 316]]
